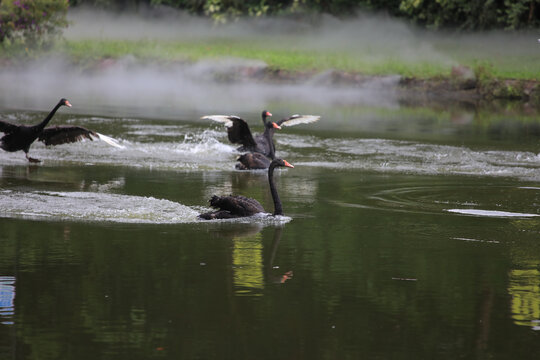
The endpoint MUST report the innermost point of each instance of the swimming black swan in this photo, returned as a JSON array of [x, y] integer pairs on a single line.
[[253, 161], [241, 206], [20, 137]]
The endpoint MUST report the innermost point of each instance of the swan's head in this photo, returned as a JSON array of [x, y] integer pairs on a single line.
[[272, 125], [65, 102], [265, 114], [281, 162]]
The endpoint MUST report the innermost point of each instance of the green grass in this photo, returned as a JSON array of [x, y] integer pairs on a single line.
[[288, 57]]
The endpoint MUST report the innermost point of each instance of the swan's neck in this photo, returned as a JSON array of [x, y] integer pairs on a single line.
[[45, 121], [269, 135], [278, 210]]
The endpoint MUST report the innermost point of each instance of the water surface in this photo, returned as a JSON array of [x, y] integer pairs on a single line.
[[403, 226]]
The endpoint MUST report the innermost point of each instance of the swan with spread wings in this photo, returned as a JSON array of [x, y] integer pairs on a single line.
[[21, 137]]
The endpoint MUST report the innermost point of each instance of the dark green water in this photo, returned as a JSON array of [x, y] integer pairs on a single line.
[[412, 238]]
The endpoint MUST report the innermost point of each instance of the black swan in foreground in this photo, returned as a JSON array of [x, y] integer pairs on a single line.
[[240, 206], [20, 137]]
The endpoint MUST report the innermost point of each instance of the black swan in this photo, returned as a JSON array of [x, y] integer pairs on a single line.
[[239, 133], [240, 206], [20, 137], [255, 160]]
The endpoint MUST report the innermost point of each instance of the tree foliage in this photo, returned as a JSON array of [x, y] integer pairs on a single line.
[[31, 23], [463, 14], [34, 23], [473, 14]]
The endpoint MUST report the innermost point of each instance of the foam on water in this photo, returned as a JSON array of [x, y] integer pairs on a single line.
[[106, 207], [92, 206], [186, 150], [490, 213], [260, 218], [412, 157], [199, 148]]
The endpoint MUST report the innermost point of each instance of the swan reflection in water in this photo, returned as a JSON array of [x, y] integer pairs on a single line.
[[524, 289], [7, 299], [250, 266], [253, 267]]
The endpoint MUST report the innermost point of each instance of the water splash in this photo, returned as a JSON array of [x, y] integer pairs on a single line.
[[399, 156], [91, 206], [106, 207], [204, 147], [491, 213]]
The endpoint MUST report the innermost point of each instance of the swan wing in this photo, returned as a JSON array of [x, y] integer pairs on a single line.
[[239, 133], [237, 129], [63, 134], [237, 205], [226, 120], [109, 140], [298, 119], [7, 127]]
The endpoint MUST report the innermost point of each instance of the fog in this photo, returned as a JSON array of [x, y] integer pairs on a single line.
[[130, 87], [372, 35]]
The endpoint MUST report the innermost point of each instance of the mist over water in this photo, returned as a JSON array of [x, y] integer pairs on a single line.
[[372, 34], [127, 87], [378, 36], [181, 89]]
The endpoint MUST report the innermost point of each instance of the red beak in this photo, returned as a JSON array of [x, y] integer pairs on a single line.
[[268, 113], [68, 104], [287, 164], [276, 126]]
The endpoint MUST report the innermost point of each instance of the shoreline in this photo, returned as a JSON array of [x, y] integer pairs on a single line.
[[456, 88]]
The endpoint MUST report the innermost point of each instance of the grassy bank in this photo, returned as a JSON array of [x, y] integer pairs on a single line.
[[286, 56], [285, 59]]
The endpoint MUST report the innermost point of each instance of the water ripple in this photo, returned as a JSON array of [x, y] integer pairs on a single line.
[[472, 200]]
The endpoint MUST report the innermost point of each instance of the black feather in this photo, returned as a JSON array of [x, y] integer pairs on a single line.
[[63, 134]]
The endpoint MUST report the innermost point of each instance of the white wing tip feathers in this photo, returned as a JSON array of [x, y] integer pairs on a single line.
[[111, 141], [224, 119], [301, 119]]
